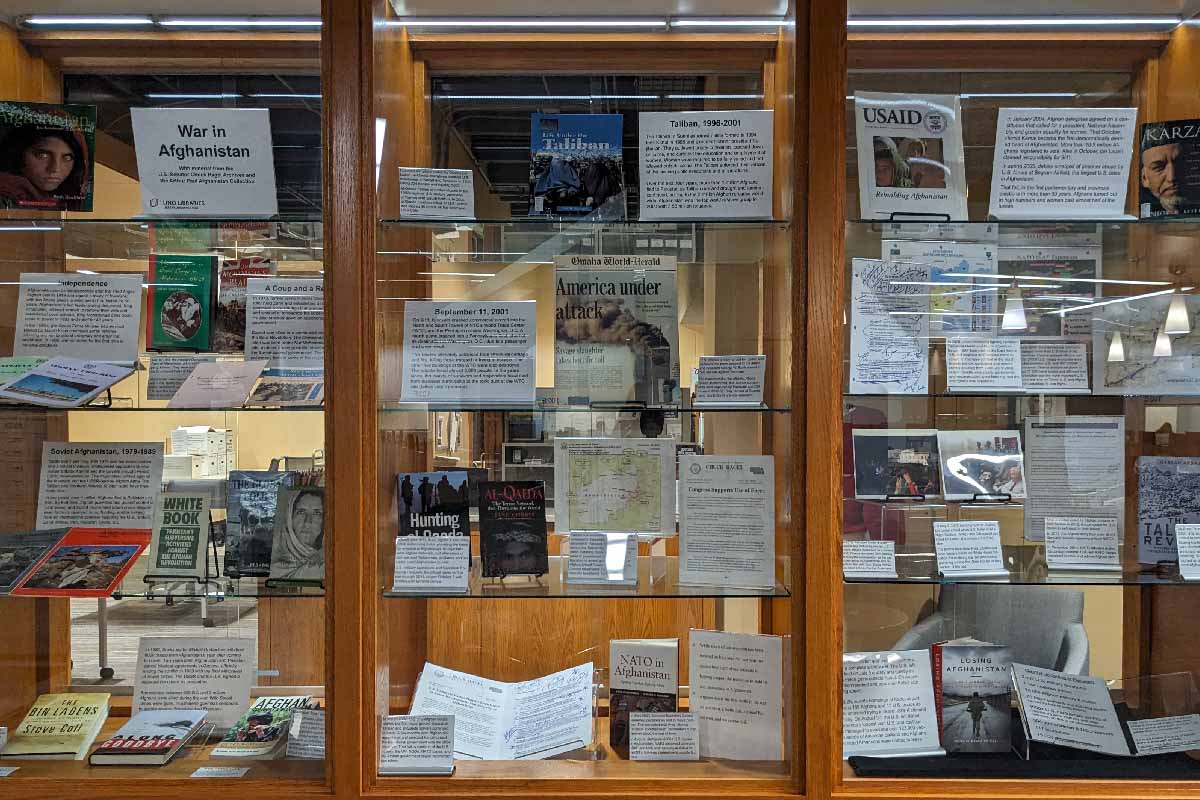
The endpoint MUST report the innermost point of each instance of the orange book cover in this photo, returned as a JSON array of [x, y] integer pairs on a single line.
[[87, 562]]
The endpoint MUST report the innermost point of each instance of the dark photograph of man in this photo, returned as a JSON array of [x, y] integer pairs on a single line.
[[1169, 170]]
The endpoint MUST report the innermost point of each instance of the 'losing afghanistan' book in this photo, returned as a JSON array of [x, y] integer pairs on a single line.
[[974, 697]]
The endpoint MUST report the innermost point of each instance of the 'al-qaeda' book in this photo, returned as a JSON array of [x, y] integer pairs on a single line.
[[973, 688], [616, 330], [1169, 169], [575, 165], [512, 528], [179, 302], [433, 503], [643, 675], [250, 520]]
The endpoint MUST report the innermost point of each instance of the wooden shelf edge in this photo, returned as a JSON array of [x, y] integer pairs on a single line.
[[852, 788]]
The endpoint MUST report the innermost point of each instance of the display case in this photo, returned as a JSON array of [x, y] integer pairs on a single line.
[[542, 449], [166, 390], [1008, 536]]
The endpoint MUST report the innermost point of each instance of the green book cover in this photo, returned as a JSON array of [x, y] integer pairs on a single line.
[[179, 302], [181, 237]]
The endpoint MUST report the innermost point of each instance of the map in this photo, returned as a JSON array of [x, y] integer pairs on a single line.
[[615, 491]]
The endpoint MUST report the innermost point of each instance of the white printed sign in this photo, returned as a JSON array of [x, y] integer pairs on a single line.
[[433, 564], [416, 744], [869, 559], [655, 736], [731, 380], [168, 372], [99, 484], [214, 674], [1054, 367], [88, 317], [1062, 163], [1082, 543], [969, 549], [976, 363], [285, 322], [436, 193], [897, 685], [205, 161], [471, 352], [1165, 734], [602, 558], [1187, 542], [705, 164], [219, 384], [220, 772]]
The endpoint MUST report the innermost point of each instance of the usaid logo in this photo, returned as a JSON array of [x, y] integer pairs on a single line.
[[935, 122]]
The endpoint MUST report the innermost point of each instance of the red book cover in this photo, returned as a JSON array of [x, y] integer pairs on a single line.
[[87, 562]]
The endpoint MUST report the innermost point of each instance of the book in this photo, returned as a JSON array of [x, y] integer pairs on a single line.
[[261, 733], [575, 164], [433, 503], [179, 544], [86, 562], [1169, 169], [616, 330], [895, 463], [149, 737], [1168, 493], [179, 302], [910, 155], [512, 528], [21, 551], [47, 156], [298, 546], [981, 463], [229, 315], [973, 693], [289, 387], [250, 520], [59, 727], [643, 676]]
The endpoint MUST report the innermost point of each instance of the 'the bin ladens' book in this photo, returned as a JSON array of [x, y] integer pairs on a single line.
[[261, 733], [20, 551], [179, 302], [1169, 169], [643, 675], [512, 528], [59, 727], [151, 737], [433, 503], [974, 696], [250, 520]]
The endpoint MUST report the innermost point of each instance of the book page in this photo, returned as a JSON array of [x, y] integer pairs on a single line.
[[551, 715], [888, 705], [479, 707], [737, 694], [889, 328]]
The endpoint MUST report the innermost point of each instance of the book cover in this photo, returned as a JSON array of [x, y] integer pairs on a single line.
[[298, 547], [1169, 169], [229, 316], [512, 528], [643, 676], [179, 302], [149, 737], [895, 463], [20, 551], [250, 520], [616, 330], [179, 544], [575, 164], [47, 156], [289, 387], [975, 698], [86, 562], [910, 155], [434, 503], [262, 731], [981, 463], [1168, 493], [953, 310], [59, 726]]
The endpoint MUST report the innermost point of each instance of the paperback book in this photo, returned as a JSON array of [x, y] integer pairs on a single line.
[[229, 319], [512, 528], [1169, 167], [179, 302], [20, 551], [616, 330], [289, 387], [1168, 493], [179, 544], [59, 727], [250, 520], [150, 738], [298, 547], [47, 156], [86, 562], [643, 676], [576, 165], [973, 689], [433, 503], [261, 733]]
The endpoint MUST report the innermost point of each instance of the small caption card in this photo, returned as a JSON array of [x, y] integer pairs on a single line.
[[306, 737], [969, 549], [1187, 543], [871, 559], [1054, 367], [730, 380], [1152, 737], [168, 372], [437, 564], [663, 737], [6, 771], [1082, 543], [602, 558], [220, 772], [436, 193], [974, 363], [417, 744]]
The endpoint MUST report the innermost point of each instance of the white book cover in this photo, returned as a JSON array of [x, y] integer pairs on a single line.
[[910, 155], [179, 546]]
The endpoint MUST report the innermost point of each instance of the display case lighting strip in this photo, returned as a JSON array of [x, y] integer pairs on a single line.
[[89, 21], [1115, 21], [566, 23], [240, 22]]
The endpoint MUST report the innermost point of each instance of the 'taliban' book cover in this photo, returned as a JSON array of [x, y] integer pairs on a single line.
[[576, 165]]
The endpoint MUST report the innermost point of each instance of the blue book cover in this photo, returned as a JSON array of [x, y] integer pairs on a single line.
[[575, 165]]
